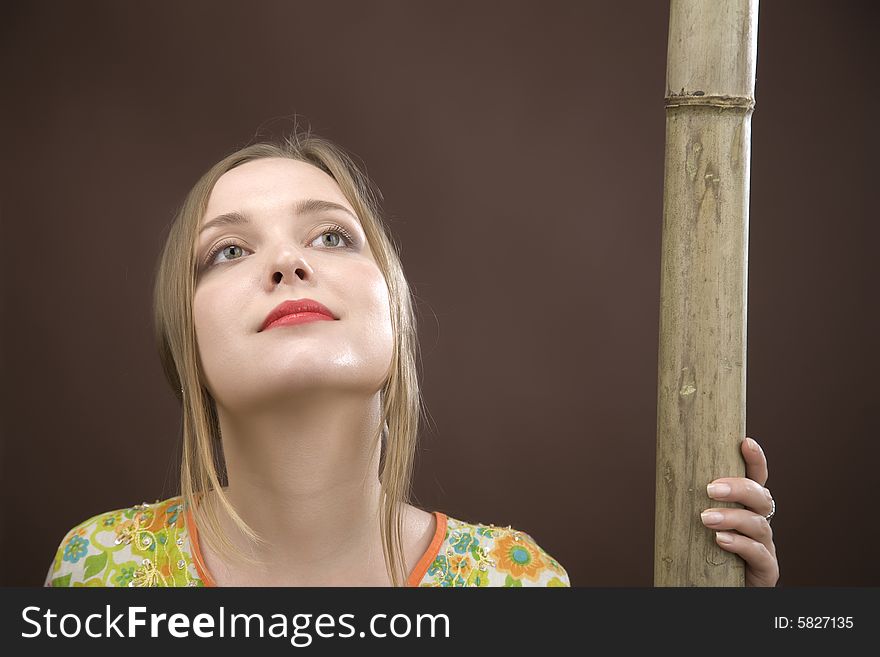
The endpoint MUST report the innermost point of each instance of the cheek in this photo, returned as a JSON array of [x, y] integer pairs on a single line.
[[374, 304], [216, 313], [377, 293], [205, 327]]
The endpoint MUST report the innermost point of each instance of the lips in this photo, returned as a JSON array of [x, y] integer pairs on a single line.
[[297, 307]]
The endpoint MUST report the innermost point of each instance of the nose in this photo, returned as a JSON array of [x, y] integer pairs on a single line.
[[291, 266], [278, 276]]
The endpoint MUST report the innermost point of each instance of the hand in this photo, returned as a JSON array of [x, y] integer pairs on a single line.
[[753, 538]]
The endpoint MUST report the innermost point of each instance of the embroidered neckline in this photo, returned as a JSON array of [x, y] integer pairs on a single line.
[[413, 580]]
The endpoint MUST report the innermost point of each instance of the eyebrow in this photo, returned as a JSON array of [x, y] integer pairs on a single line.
[[304, 206]]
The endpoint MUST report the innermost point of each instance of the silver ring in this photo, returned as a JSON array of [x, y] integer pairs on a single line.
[[772, 510]]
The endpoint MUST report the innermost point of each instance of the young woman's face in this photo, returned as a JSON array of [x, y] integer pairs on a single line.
[[285, 252]]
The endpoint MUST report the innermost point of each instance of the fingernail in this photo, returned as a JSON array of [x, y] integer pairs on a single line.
[[752, 445], [724, 537], [718, 490], [711, 517]]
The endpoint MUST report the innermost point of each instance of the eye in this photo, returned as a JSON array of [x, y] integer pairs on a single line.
[[222, 246], [337, 231]]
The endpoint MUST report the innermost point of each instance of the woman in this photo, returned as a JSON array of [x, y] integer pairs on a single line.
[[284, 319]]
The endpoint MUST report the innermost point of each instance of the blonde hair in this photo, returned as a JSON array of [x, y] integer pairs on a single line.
[[178, 349]]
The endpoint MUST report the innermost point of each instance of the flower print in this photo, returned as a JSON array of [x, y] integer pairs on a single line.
[[77, 547], [141, 514], [488, 532], [146, 575], [460, 565], [172, 512], [461, 541], [442, 573], [457, 568], [144, 518], [518, 555], [478, 576], [145, 540], [125, 576], [437, 567], [466, 540], [554, 564], [482, 560], [109, 520], [125, 532]]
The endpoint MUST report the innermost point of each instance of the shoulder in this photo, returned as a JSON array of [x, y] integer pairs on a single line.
[[476, 554], [123, 547]]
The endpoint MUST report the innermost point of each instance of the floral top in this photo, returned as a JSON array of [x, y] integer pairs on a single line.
[[157, 545]]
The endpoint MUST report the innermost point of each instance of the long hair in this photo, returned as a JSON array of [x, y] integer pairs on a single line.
[[202, 460]]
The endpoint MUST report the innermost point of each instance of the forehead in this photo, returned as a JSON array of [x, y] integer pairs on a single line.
[[269, 182]]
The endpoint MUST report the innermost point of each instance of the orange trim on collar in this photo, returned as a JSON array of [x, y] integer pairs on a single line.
[[201, 568], [431, 553], [412, 581]]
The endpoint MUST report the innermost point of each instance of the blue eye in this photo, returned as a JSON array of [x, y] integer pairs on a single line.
[[209, 259], [337, 230], [343, 238]]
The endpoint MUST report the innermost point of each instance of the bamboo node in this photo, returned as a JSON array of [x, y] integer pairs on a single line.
[[699, 98]]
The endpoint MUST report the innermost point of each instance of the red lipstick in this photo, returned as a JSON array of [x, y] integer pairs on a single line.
[[296, 311]]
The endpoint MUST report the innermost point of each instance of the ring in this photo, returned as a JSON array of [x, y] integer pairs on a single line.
[[772, 510]]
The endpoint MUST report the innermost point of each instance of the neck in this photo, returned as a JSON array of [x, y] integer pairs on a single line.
[[304, 476]]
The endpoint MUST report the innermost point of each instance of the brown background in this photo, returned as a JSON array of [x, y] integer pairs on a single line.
[[519, 146]]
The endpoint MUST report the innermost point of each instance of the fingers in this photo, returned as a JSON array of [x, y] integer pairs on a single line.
[[762, 567], [747, 492], [756, 460], [746, 532], [745, 522]]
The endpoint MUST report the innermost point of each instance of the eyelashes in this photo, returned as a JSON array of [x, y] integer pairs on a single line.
[[335, 228]]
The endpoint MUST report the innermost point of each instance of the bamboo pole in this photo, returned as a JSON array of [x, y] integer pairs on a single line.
[[701, 396]]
